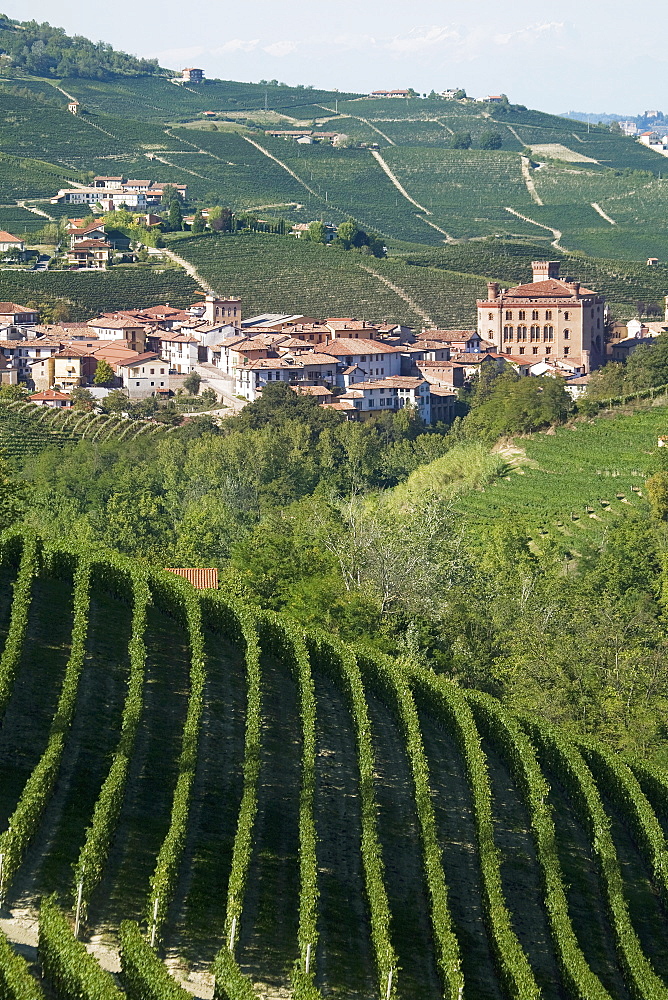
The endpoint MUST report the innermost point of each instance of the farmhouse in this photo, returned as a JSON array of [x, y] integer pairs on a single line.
[[547, 318], [114, 192], [192, 75], [9, 242], [390, 93], [52, 398]]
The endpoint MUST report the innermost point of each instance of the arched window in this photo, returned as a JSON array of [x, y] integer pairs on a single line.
[[535, 333], [548, 333], [521, 333], [534, 314], [507, 333], [567, 334]]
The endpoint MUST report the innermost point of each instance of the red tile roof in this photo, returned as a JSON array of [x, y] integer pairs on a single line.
[[348, 346], [50, 394], [6, 237], [552, 288], [201, 579]]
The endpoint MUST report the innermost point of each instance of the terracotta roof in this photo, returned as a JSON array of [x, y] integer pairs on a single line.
[[312, 390], [438, 390], [6, 237], [445, 335], [201, 579], [50, 394], [393, 382], [347, 346], [552, 288], [89, 245], [115, 324], [11, 307], [140, 359]]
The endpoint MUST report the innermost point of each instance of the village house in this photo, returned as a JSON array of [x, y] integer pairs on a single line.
[[192, 75], [374, 358], [351, 329], [52, 398], [441, 373], [390, 394], [460, 341], [13, 315], [179, 351], [116, 192], [308, 368], [9, 243], [546, 318], [144, 375], [115, 327]]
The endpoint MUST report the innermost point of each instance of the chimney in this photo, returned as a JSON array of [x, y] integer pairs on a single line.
[[544, 269], [493, 292]]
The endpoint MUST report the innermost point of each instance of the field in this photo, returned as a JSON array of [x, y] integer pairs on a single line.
[[272, 807]]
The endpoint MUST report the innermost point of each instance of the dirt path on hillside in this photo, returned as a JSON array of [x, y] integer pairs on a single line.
[[448, 237], [597, 208], [35, 211], [360, 119], [281, 164], [402, 295], [555, 232], [528, 180], [189, 269], [397, 183]]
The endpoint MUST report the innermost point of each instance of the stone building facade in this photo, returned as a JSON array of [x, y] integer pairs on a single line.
[[546, 319]]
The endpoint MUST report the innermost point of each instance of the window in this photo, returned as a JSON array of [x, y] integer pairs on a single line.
[[152, 383], [567, 334], [566, 314], [137, 384], [371, 402], [521, 333], [382, 391], [507, 333], [152, 371], [522, 350], [566, 351], [382, 402], [490, 316], [522, 314], [548, 314], [548, 333], [535, 333], [509, 314], [534, 350], [534, 314], [548, 350]]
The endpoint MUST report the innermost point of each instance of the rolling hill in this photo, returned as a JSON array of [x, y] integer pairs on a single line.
[[273, 807], [553, 186]]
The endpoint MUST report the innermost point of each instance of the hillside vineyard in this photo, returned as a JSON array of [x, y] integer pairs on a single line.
[[269, 806]]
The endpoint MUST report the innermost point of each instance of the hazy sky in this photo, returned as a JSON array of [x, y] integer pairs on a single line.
[[584, 55]]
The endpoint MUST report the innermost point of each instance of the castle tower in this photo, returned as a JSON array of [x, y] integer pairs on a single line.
[[544, 269]]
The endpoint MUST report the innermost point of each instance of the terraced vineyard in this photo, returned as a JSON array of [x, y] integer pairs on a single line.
[[93, 292], [211, 791], [578, 479], [26, 428], [318, 281]]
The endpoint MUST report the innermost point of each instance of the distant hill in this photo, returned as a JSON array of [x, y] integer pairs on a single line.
[[47, 51]]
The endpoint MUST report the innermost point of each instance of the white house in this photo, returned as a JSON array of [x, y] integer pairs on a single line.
[[9, 242], [373, 357], [381, 395], [144, 375], [180, 351], [307, 369]]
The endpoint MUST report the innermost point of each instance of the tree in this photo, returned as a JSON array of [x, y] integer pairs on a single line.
[[461, 140], [221, 220], [198, 225], [209, 396], [82, 399], [115, 402], [175, 217], [316, 232], [491, 140], [104, 373], [11, 392], [192, 383], [657, 492]]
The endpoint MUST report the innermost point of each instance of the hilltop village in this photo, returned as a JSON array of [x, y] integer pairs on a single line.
[[550, 326]]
